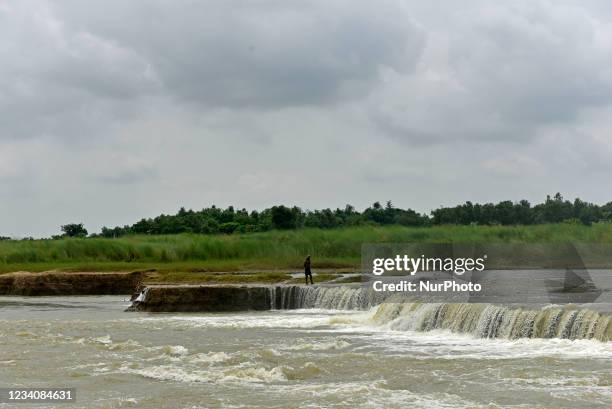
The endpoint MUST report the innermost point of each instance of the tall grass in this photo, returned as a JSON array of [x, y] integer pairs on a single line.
[[280, 249]]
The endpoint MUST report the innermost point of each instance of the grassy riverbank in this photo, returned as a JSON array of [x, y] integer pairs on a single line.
[[281, 250]]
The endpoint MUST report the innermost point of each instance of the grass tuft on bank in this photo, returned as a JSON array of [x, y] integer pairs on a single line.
[[283, 250]]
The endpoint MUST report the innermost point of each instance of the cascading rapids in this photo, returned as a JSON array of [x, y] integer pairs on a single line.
[[480, 320], [331, 298], [496, 321]]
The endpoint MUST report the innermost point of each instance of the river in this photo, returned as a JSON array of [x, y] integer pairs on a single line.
[[312, 358]]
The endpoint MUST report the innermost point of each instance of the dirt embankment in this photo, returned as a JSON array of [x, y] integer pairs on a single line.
[[209, 298], [60, 283]]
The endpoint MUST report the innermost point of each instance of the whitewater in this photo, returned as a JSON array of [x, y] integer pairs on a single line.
[[318, 348]]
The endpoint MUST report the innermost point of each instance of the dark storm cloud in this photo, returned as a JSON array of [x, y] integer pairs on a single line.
[[257, 54], [57, 80]]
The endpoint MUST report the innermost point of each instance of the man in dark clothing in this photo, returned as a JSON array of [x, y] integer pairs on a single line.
[[307, 271]]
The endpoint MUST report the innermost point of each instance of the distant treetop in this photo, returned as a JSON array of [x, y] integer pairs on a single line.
[[74, 230], [214, 220]]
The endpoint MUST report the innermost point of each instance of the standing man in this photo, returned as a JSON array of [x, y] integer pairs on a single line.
[[307, 271]]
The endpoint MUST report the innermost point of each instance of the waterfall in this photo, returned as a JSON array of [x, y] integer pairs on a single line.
[[332, 298], [272, 297], [479, 320], [142, 297], [496, 321]]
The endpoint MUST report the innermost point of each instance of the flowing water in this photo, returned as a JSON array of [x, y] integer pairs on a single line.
[[337, 349]]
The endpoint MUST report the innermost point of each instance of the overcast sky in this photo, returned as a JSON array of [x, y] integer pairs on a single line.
[[111, 111]]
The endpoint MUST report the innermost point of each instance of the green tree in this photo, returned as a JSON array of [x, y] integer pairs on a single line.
[[74, 230], [283, 217], [229, 227]]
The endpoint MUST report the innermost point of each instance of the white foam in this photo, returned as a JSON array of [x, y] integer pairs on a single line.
[[444, 344], [105, 340], [225, 375], [210, 357], [320, 346], [259, 374], [376, 395], [174, 350], [263, 320]]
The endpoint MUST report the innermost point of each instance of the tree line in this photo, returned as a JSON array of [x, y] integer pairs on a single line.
[[213, 220]]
